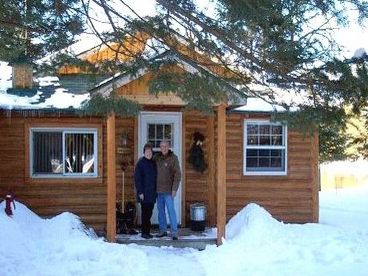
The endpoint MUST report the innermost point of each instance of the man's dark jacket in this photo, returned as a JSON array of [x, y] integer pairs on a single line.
[[168, 172]]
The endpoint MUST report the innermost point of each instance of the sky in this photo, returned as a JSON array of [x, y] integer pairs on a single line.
[[352, 37]]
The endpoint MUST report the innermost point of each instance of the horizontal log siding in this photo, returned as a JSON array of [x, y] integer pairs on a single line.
[[287, 198], [125, 125], [196, 183], [49, 197]]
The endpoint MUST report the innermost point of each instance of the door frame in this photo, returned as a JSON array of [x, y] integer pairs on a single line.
[[177, 116]]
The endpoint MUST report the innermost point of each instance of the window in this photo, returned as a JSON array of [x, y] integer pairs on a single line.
[[63, 152], [159, 132], [265, 148]]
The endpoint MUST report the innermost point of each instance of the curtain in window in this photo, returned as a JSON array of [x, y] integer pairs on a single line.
[[47, 153], [79, 153]]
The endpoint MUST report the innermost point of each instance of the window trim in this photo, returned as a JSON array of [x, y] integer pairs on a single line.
[[245, 147], [64, 131]]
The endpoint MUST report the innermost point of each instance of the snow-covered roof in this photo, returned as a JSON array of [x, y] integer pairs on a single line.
[[59, 98], [5, 76], [259, 105], [48, 94], [360, 53]]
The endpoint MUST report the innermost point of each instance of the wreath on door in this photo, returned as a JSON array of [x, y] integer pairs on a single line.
[[196, 155]]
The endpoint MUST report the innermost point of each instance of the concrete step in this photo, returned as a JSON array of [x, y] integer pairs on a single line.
[[187, 238]]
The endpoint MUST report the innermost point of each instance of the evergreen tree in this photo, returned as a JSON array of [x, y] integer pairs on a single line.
[[266, 46], [270, 49], [31, 29]]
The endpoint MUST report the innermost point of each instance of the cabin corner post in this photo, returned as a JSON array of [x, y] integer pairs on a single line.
[[221, 172], [315, 177], [211, 171], [111, 179]]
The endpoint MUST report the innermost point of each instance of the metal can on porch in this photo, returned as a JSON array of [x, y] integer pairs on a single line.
[[198, 216]]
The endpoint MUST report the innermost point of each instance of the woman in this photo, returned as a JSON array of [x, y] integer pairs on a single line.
[[145, 183]]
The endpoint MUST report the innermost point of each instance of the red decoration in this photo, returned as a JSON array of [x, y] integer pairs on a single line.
[[9, 198]]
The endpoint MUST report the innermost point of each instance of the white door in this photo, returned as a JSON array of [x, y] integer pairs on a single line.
[[153, 128]]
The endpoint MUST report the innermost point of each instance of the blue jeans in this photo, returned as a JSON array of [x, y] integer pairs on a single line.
[[162, 200]]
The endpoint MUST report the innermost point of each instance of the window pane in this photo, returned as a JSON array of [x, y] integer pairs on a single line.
[[264, 162], [79, 153], [276, 140], [160, 132], [47, 153], [151, 132], [277, 130], [264, 140], [276, 162], [252, 129], [264, 129], [167, 132], [252, 152], [264, 152], [276, 153], [252, 162], [252, 140]]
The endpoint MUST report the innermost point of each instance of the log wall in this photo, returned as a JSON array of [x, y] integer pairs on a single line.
[[196, 183], [86, 197], [127, 156], [290, 198]]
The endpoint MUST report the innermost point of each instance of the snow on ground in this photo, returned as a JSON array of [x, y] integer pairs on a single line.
[[256, 244], [345, 208], [61, 246], [264, 246]]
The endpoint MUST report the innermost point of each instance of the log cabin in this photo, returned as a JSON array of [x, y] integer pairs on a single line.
[[55, 160]]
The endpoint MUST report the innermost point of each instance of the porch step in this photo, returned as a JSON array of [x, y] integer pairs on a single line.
[[187, 238]]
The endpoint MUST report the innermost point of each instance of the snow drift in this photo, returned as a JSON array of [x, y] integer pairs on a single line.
[[62, 245], [253, 218], [256, 244]]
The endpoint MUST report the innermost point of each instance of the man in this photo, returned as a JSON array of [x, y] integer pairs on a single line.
[[145, 176], [168, 180]]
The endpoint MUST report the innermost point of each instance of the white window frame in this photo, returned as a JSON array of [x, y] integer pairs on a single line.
[[64, 131], [246, 146], [172, 140]]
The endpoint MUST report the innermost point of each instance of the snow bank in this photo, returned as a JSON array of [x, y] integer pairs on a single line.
[[257, 244], [26, 236], [61, 245], [252, 218]]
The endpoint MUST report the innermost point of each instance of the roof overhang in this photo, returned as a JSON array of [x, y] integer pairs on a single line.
[[106, 87]]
